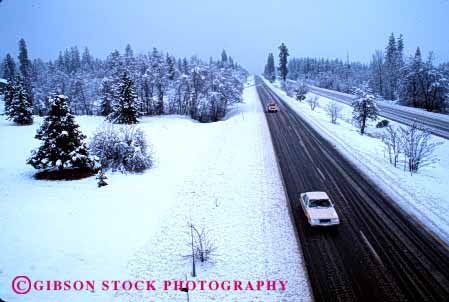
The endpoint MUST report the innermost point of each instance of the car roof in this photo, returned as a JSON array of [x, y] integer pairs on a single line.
[[317, 195]]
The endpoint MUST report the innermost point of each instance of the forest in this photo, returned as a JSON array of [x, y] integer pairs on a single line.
[[411, 80], [160, 83]]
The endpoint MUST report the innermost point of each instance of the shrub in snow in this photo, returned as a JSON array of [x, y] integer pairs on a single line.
[[121, 148], [125, 109], [393, 144], [63, 145], [19, 109], [101, 179], [382, 124], [203, 247], [313, 102], [301, 90], [333, 110]]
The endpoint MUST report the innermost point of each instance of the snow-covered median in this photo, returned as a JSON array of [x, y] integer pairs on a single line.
[[221, 175], [424, 195]]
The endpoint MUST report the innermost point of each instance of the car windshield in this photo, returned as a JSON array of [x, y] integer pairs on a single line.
[[320, 203]]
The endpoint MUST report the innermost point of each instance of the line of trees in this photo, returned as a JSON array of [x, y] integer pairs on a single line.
[[161, 83], [330, 74], [412, 81], [270, 68]]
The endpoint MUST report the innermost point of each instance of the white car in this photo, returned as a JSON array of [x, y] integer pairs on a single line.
[[319, 209]]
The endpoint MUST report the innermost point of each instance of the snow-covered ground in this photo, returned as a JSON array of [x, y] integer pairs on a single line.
[[2, 104], [424, 195], [222, 176]]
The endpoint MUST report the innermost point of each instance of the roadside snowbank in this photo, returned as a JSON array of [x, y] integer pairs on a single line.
[[424, 195], [222, 176]]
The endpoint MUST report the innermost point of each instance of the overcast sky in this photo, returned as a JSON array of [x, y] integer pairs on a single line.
[[247, 29]]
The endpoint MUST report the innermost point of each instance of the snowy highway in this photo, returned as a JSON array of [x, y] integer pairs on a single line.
[[437, 124], [378, 253]]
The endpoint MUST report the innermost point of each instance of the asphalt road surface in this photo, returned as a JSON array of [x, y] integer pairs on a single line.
[[437, 126], [378, 253]]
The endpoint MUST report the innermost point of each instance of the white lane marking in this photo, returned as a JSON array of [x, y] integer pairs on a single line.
[[370, 247], [321, 173]]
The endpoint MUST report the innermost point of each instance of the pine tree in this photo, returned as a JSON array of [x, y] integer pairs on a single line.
[[409, 88], [107, 96], [9, 94], [270, 69], [185, 66], [365, 108], [391, 68], [87, 60], [424, 86], [19, 109], [25, 69], [159, 70], [129, 54], [75, 59], [377, 79], [23, 59], [283, 54], [125, 108], [63, 145], [171, 72], [224, 57], [9, 68], [400, 51]]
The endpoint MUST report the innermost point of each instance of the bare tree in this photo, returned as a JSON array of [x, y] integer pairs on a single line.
[[418, 147], [313, 102], [393, 144], [333, 110]]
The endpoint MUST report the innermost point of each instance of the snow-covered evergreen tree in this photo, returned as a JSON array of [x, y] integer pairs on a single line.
[[270, 68], [377, 79], [283, 55], [9, 94], [393, 63], [125, 107], [9, 68], [409, 90], [107, 97], [63, 145], [423, 85], [224, 57], [400, 51], [171, 70], [25, 69], [23, 59], [20, 110], [87, 62], [364, 109]]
